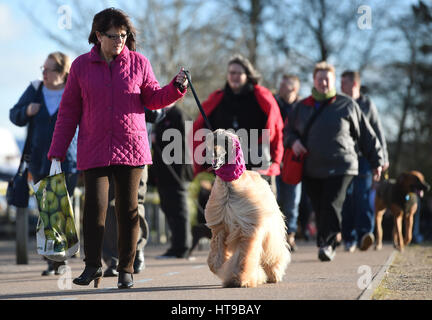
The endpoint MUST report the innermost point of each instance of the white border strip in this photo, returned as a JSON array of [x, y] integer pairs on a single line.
[[376, 281]]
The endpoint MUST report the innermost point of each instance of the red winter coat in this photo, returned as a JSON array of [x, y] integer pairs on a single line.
[[274, 123]]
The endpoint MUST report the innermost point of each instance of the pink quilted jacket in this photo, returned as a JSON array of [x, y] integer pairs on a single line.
[[107, 102]]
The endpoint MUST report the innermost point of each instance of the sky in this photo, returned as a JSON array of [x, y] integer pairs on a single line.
[[24, 50], [20, 60]]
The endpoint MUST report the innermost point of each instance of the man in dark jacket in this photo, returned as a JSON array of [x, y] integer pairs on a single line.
[[358, 220], [331, 144]]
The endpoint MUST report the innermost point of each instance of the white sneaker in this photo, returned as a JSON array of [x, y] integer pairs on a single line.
[[326, 253], [351, 248]]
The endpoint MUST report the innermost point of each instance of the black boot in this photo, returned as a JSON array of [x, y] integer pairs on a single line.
[[89, 274], [59, 268], [139, 263], [50, 269], [125, 280], [110, 272]]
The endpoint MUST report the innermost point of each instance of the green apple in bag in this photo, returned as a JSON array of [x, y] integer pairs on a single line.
[[39, 192], [45, 219], [58, 221], [58, 185], [65, 207], [49, 202]]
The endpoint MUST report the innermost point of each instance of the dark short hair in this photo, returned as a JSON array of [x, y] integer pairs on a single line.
[[252, 75], [112, 17], [352, 75]]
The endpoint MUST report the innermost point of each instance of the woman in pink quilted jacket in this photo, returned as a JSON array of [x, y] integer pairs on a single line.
[[105, 96]]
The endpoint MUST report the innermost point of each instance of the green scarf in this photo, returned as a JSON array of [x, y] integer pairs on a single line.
[[322, 96]]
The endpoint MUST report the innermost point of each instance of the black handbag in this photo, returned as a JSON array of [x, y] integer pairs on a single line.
[[17, 193]]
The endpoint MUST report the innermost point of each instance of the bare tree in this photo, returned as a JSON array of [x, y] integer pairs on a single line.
[[171, 34]]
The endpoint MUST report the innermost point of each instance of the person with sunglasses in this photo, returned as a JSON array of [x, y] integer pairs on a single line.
[[105, 95]]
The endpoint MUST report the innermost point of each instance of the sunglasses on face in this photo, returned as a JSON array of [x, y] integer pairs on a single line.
[[116, 36]]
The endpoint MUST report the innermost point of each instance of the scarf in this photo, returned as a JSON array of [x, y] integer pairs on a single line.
[[318, 96]]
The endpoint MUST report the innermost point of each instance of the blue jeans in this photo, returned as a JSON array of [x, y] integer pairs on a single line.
[[288, 197], [417, 237], [357, 214]]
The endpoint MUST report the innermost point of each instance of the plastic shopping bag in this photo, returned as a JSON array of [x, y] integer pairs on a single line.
[[56, 234]]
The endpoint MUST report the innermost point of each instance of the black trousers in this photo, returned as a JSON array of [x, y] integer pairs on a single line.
[[126, 183], [327, 196], [173, 201], [110, 249]]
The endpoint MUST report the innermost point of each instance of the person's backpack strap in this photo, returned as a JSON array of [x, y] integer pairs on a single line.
[[312, 119]]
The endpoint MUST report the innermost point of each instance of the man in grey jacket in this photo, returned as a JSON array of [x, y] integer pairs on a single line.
[[331, 146], [357, 215]]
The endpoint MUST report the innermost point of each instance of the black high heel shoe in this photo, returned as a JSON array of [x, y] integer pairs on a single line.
[[125, 280], [89, 274]]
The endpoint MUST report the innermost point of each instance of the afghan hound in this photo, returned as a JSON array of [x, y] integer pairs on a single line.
[[249, 240]]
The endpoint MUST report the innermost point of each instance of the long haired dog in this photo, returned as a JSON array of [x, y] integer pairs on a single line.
[[248, 245], [400, 197]]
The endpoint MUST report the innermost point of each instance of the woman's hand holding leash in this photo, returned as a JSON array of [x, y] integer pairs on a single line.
[[181, 80]]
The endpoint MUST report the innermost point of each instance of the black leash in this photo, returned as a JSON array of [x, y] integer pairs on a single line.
[[197, 101]]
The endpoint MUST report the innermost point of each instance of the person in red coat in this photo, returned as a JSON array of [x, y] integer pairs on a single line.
[[243, 105]]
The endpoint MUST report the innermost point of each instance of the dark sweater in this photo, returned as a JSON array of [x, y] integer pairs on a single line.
[[238, 111]]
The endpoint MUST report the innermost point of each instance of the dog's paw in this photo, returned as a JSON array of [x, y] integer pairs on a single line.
[[232, 283], [273, 278], [378, 247], [237, 283]]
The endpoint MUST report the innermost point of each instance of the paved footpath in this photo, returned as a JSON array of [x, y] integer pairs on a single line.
[[346, 278]]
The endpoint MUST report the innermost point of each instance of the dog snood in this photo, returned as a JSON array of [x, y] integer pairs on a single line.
[[232, 171]]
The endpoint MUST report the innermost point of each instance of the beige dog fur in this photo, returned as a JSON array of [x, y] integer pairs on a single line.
[[248, 245]]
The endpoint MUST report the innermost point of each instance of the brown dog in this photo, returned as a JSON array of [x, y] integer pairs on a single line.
[[400, 197]]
